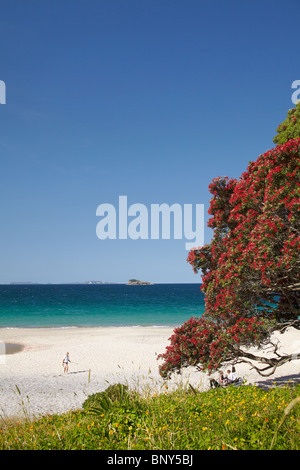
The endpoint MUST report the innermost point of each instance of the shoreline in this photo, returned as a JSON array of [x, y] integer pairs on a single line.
[[33, 382], [67, 327]]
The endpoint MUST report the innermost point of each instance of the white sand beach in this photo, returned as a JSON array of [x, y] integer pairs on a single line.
[[32, 381]]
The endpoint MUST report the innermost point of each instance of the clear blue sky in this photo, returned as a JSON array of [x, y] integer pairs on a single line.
[[145, 98]]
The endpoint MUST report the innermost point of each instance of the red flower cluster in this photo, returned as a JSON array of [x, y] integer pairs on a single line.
[[251, 267], [202, 343], [255, 250]]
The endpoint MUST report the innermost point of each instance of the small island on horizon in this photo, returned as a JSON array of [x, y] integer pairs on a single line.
[[136, 282]]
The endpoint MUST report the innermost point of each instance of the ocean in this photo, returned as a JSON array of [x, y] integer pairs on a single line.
[[105, 305]]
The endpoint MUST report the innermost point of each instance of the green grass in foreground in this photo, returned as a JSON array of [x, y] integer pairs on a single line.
[[243, 417]]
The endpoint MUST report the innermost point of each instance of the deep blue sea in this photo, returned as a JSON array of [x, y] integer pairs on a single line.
[[82, 305]]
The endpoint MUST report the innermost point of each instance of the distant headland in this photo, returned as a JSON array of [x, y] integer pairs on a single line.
[[136, 282], [131, 282]]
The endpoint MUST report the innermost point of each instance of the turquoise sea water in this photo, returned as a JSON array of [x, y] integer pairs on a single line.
[[81, 305]]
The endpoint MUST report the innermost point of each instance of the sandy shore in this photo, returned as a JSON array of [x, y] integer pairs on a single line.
[[32, 380]]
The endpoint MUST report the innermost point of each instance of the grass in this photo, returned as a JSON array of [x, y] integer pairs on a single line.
[[242, 418]]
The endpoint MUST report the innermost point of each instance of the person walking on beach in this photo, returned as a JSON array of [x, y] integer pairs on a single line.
[[65, 363]]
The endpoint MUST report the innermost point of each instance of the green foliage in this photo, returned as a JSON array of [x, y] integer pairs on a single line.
[[104, 400], [243, 418], [290, 128]]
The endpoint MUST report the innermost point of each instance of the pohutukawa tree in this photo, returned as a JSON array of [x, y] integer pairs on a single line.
[[251, 267]]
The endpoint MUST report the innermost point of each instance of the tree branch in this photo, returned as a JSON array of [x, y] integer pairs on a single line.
[[272, 362]]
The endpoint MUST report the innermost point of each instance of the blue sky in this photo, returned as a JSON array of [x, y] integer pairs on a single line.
[[146, 98]]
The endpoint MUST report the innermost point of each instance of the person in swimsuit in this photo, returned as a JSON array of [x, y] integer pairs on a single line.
[[65, 363]]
